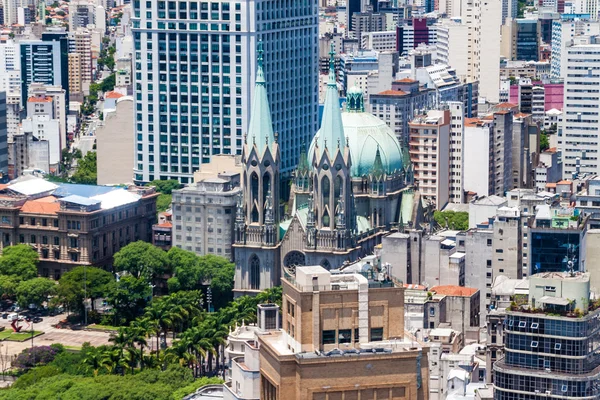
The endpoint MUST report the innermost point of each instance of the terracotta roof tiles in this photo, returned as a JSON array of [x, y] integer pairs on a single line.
[[452, 290]]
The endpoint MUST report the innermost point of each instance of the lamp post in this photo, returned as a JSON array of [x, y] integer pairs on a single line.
[[209, 299], [85, 295]]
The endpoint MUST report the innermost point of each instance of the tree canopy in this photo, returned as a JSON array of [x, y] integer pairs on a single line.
[[19, 261], [165, 186], [71, 288], [35, 291], [452, 220], [129, 296], [142, 260], [87, 170]]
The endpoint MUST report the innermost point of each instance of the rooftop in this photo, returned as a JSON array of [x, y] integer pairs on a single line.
[[453, 290]]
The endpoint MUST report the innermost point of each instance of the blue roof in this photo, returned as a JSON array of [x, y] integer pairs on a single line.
[[68, 189], [84, 201]]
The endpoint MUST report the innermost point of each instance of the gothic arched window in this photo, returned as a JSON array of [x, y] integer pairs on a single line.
[[254, 272]]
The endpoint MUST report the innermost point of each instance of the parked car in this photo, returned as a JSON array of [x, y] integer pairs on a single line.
[[37, 320], [4, 315]]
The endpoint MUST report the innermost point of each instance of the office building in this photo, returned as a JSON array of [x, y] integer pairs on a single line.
[[521, 39], [429, 153], [204, 213], [360, 332], [193, 100], [44, 61], [502, 140], [367, 21], [551, 342], [72, 225], [556, 238]]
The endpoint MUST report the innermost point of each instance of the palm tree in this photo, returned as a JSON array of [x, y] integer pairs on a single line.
[[131, 357], [179, 352], [140, 330], [158, 318], [93, 359], [122, 339], [113, 359]]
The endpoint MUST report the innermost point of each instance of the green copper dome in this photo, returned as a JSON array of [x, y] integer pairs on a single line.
[[366, 133]]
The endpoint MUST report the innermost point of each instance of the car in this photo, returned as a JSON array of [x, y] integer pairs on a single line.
[[37, 320], [4, 315]]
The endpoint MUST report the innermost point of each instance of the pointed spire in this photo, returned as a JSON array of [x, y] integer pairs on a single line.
[[378, 170], [261, 125], [303, 165], [332, 128]]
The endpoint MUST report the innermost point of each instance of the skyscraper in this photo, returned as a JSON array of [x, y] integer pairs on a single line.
[[194, 75]]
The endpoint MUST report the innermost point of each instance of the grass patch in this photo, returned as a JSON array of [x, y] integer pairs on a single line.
[[103, 327], [18, 337]]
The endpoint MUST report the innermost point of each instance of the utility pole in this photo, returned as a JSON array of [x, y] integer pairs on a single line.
[[84, 296]]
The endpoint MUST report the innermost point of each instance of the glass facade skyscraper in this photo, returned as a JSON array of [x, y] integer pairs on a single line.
[[194, 80]]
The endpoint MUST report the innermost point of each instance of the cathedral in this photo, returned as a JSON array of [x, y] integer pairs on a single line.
[[352, 186]]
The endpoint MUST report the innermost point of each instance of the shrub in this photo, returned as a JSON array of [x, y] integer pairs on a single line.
[[31, 357]]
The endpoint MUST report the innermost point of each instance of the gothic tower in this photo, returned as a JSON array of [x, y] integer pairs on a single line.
[[257, 217], [331, 218]]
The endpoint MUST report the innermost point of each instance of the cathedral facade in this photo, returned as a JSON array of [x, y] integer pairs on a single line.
[[352, 187]]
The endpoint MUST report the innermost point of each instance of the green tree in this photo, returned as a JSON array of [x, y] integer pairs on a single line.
[[452, 220], [35, 291], [142, 260], [220, 273], [87, 169], [72, 286], [8, 285], [165, 186], [129, 296], [544, 141], [19, 261], [163, 202]]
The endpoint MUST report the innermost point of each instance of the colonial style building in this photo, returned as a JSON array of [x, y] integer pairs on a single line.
[[72, 225], [351, 188]]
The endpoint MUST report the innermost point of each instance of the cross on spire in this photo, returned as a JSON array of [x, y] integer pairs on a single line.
[[259, 54], [332, 65]]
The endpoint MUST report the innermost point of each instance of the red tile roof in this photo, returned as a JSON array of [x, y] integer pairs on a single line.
[[40, 207], [392, 93], [40, 99], [452, 290], [113, 95], [406, 80]]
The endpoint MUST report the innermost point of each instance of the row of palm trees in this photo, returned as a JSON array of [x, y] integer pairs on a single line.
[[199, 338]]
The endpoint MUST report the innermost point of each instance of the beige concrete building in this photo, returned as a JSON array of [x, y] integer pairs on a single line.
[[75, 87], [81, 43], [342, 337], [115, 144], [429, 153]]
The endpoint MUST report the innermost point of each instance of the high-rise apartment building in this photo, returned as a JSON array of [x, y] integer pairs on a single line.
[[83, 13], [194, 75], [564, 30], [502, 141], [429, 153], [75, 74], [456, 171], [80, 42], [10, 67], [579, 131], [3, 138]]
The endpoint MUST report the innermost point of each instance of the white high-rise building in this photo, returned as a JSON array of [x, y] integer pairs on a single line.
[[452, 46], [456, 170], [194, 78], [10, 67], [83, 13], [11, 11], [484, 21], [579, 139], [563, 32]]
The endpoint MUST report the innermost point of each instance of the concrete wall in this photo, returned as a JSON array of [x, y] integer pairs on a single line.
[[115, 148]]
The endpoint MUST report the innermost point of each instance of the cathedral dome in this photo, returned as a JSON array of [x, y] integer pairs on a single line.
[[365, 134]]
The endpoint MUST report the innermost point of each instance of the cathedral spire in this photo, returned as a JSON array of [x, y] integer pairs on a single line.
[[378, 170], [332, 128], [261, 125]]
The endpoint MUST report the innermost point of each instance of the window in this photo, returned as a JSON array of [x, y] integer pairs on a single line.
[[534, 344], [489, 242], [328, 337], [376, 334], [431, 311], [557, 346], [564, 388], [535, 325], [56, 241], [344, 335], [522, 324]]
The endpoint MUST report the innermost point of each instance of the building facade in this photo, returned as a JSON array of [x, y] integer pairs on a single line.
[[193, 100]]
